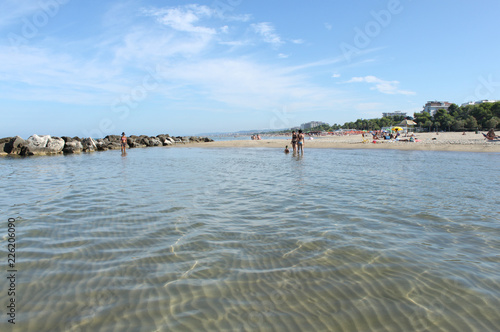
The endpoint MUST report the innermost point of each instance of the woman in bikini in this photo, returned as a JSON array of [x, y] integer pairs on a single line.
[[300, 142], [124, 142], [295, 139]]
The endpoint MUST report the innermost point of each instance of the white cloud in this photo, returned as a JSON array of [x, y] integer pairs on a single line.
[[328, 26], [240, 18], [235, 43], [243, 84], [267, 31], [283, 56], [183, 18], [387, 87], [37, 74], [336, 75]]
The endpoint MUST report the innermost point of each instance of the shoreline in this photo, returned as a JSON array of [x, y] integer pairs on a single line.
[[448, 141]]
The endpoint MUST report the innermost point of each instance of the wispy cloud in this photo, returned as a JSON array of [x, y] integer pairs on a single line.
[[12, 11], [387, 87], [267, 31], [183, 18], [243, 84]]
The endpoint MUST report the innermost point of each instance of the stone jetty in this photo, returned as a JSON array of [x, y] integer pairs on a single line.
[[50, 145]]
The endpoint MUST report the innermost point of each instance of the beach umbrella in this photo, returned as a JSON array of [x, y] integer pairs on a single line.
[[397, 128], [407, 122]]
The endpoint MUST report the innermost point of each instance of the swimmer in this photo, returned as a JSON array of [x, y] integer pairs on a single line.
[[286, 149]]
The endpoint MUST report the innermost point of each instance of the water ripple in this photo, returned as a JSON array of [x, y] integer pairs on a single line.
[[240, 240]]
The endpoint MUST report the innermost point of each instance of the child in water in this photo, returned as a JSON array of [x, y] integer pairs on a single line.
[[286, 149]]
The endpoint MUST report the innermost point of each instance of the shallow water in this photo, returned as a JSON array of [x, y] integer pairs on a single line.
[[178, 239]]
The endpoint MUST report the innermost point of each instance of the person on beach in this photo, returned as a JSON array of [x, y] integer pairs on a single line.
[[123, 140], [300, 142], [294, 141], [491, 134], [286, 150]]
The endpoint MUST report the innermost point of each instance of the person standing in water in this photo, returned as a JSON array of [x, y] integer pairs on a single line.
[[294, 141], [300, 142], [123, 141]]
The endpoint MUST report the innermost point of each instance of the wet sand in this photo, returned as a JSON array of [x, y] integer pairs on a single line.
[[453, 141]]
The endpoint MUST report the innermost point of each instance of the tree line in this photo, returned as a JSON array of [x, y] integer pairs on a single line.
[[456, 118]]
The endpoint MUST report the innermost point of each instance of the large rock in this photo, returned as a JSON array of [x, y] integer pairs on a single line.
[[73, 147], [113, 138], [169, 139], [67, 139], [150, 141], [42, 145], [5, 145], [134, 142], [101, 145], [114, 146], [88, 145], [16, 145], [163, 137], [155, 141]]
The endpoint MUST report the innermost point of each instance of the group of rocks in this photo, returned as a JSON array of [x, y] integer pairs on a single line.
[[45, 145]]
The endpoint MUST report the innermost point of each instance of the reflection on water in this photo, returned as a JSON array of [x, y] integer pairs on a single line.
[[253, 239]]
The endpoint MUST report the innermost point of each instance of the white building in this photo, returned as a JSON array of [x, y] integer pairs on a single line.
[[397, 113], [479, 102], [432, 106], [310, 125]]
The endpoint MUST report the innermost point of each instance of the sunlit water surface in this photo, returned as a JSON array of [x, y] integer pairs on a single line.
[[193, 239]]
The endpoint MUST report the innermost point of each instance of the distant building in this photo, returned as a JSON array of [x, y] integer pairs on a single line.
[[397, 113], [479, 102], [311, 125], [432, 106]]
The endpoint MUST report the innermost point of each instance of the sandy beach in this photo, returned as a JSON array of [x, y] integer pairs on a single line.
[[449, 141]]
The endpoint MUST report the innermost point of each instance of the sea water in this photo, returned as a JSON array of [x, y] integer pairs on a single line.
[[197, 239]]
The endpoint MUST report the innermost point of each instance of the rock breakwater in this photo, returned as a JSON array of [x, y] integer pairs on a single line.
[[49, 145]]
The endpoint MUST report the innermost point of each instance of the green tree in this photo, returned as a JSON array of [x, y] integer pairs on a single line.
[[427, 124], [453, 109], [471, 123], [458, 125], [492, 123], [436, 125], [443, 118], [421, 118], [495, 109]]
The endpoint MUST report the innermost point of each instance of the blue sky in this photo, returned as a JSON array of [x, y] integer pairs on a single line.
[[92, 68]]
